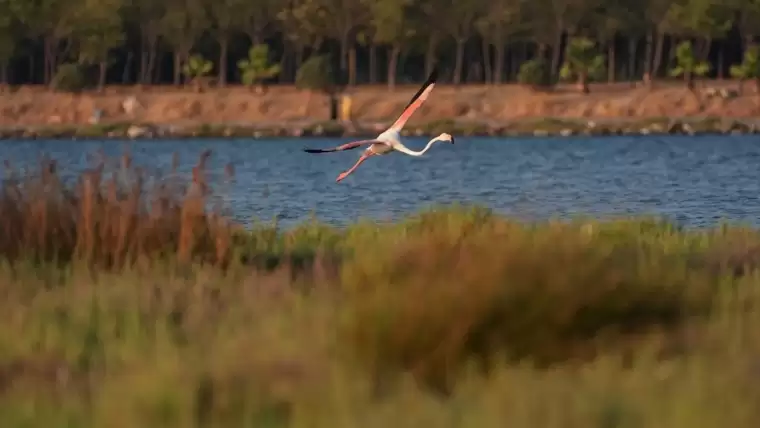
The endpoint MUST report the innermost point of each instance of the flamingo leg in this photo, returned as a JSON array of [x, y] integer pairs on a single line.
[[356, 165]]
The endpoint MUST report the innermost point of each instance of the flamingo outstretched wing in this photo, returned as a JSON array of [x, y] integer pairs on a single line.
[[417, 100], [347, 146]]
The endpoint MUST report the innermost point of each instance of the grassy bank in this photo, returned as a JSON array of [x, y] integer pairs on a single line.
[[127, 304], [525, 127]]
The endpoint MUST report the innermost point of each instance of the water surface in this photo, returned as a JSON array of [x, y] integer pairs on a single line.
[[695, 181]]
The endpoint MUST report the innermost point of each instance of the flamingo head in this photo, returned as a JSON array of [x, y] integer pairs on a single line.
[[446, 137]]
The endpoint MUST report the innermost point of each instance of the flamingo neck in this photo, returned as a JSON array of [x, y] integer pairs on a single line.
[[427, 147]]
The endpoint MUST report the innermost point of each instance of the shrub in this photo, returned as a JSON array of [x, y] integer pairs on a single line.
[[69, 77], [197, 69], [582, 62], [749, 67], [688, 65], [534, 73], [256, 67], [316, 74], [452, 291], [109, 220]]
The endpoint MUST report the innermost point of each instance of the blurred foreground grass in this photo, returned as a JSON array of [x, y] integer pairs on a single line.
[[128, 302]]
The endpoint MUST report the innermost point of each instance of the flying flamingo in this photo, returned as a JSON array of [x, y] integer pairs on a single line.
[[390, 139]]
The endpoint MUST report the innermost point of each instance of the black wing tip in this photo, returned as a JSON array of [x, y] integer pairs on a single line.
[[433, 77]]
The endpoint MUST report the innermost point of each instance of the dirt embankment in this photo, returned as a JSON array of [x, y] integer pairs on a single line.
[[33, 106]]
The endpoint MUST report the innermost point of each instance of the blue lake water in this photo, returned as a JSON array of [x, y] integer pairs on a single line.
[[695, 181]]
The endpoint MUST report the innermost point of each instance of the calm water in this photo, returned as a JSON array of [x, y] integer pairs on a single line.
[[693, 180]]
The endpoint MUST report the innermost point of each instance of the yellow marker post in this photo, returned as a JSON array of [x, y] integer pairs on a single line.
[[345, 108]]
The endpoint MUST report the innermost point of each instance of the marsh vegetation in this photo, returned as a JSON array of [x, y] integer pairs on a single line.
[[129, 300]]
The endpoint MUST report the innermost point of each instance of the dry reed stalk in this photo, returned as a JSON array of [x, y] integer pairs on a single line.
[[109, 223]]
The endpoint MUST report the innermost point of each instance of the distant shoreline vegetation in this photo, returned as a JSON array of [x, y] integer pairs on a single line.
[[519, 128], [70, 44]]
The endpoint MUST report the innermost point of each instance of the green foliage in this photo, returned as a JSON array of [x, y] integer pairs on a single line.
[[391, 21], [534, 72], [99, 30], [582, 59], [491, 274], [70, 77], [699, 18], [687, 64], [257, 66], [594, 323], [316, 74], [87, 30], [182, 24], [8, 30], [750, 65], [197, 67]]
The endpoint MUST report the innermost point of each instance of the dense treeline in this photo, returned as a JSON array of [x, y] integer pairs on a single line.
[[374, 41]]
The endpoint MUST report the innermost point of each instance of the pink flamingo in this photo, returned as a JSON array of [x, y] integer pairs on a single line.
[[390, 139]]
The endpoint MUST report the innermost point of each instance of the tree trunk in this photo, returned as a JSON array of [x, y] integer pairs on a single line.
[[583, 82], [657, 60], [393, 66], [372, 63], [633, 44], [159, 70], [287, 51], [556, 52], [151, 66], [704, 53], [498, 63], [487, 67], [430, 54], [689, 77], [720, 61], [177, 68], [31, 69], [458, 62], [611, 61], [517, 55], [103, 69], [125, 74], [648, 53], [299, 56], [49, 47], [344, 53], [352, 66], [4, 74], [143, 73], [223, 54]]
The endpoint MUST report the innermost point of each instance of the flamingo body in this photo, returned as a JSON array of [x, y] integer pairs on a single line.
[[390, 139]]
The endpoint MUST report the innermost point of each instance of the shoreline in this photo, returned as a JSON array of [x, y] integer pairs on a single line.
[[533, 127]]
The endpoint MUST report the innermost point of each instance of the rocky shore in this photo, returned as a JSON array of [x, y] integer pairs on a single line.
[[518, 128], [715, 107]]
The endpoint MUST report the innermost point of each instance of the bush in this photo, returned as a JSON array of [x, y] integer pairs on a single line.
[[429, 294], [257, 68], [69, 77], [534, 73], [197, 69], [109, 220], [316, 74], [458, 289]]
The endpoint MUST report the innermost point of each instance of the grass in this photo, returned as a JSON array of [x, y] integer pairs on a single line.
[[129, 301]]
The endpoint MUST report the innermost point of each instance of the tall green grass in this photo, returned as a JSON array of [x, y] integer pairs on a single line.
[[128, 302]]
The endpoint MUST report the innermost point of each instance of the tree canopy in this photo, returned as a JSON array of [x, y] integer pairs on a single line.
[[377, 41]]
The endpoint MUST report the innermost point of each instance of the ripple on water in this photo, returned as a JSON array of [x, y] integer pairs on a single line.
[[693, 180]]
